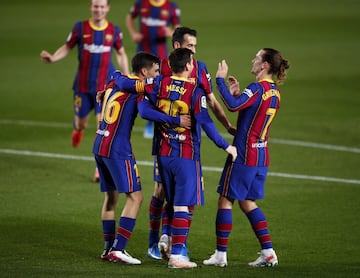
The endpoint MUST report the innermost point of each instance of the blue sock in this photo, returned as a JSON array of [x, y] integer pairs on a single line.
[[223, 228], [259, 224], [126, 226], [108, 232]]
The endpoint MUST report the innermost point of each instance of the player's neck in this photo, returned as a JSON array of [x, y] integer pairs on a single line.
[[98, 22], [183, 75], [262, 75]]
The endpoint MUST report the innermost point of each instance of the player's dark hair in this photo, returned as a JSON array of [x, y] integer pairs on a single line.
[[143, 60], [179, 58], [278, 65], [180, 32]]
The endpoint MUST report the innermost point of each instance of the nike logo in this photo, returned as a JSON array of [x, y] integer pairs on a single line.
[[86, 36]]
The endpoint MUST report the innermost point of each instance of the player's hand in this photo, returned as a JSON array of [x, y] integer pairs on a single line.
[[168, 31], [185, 121], [234, 86], [46, 56], [137, 37], [100, 96], [222, 69], [232, 151], [232, 130]]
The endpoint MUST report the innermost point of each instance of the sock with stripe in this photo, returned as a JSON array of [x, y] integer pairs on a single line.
[[179, 229], [155, 211], [108, 232], [126, 226], [223, 228], [259, 224], [166, 219]]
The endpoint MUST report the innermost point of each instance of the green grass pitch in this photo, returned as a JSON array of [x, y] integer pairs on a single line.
[[50, 210]]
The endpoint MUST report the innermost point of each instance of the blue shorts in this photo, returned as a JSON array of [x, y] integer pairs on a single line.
[[118, 174], [241, 182], [84, 103], [182, 180]]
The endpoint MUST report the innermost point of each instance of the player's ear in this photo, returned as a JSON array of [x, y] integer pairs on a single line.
[[143, 72]]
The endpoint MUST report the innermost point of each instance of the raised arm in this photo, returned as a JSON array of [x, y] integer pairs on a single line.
[[232, 99]]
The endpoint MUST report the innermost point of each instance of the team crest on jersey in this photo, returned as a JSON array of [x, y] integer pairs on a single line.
[[165, 13], [108, 37]]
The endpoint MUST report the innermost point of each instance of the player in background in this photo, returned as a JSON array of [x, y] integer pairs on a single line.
[[157, 19], [178, 149], [243, 180], [95, 39]]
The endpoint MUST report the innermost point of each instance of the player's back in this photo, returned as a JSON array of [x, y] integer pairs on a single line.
[[178, 96], [119, 111]]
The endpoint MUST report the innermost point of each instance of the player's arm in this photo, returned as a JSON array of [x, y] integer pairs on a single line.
[[134, 85], [59, 54], [124, 83], [204, 82], [233, 102], [122, 60], [130, 24], [219, 113], [174, 20], [206, 123], [239, 102]]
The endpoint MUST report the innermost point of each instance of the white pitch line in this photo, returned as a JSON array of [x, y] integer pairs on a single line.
[[150, 163], [225, 135]]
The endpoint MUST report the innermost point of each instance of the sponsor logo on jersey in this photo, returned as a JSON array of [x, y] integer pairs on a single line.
[[180, 137], [93, 48], [258, 145], [153, 22], [104, 133]]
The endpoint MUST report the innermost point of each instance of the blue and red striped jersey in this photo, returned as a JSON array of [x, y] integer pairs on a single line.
[[257, 105], [95, 47], [153, 17], [199, 73], [119, 110], [178, 96]]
